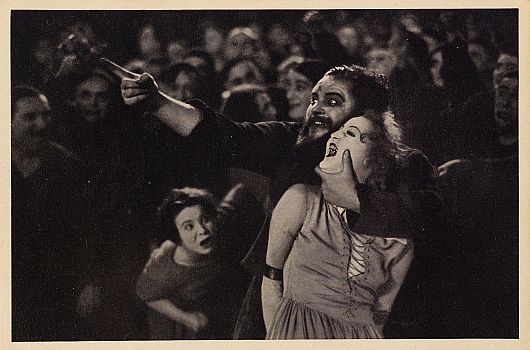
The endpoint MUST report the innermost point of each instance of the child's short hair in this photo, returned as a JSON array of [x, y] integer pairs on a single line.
[[175, 202]]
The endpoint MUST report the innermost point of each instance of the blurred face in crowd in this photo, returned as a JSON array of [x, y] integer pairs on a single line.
[[43, 53], [298, 91], [30, 122], [93, 99], [239, 45], [148, 43], [437, 62], [200, 63], [357, 136], [506, 63], [479, 56], [348, 38], [382, 61], [398, 41], [506, 104], [196, 230], [243, 73], [213, 40], [186, 86], [410, 22], [175, 51], [279, 39], [331, 105], [155, 68], [266, 107]]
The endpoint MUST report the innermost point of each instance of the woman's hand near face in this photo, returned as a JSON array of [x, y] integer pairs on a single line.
[[340, 188]]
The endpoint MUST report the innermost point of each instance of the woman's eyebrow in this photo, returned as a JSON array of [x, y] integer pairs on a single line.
[[356, 128], [186, 222]]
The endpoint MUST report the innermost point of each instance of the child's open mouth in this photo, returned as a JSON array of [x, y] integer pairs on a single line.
[[206, 243]]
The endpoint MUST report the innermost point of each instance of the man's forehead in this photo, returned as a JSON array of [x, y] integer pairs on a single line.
[[332, 84], [507, 58], [240, 38], [33, 102], [94, 82], [294, 75], [379, 53], [241, 68]]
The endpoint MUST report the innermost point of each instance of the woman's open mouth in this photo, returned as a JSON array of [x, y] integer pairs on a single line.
[[206, 243], [332, 150]]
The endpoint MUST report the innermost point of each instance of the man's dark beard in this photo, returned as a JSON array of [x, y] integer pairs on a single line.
[[310, 149], [307, 132]]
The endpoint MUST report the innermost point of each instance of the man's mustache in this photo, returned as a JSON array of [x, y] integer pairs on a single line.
[[307, 132], [326, 121], [316, 120]]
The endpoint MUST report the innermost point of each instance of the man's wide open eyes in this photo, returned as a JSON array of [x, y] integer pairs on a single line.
[[333, 102]]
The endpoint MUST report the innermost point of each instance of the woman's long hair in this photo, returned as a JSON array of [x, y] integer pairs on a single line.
[[389, 152]]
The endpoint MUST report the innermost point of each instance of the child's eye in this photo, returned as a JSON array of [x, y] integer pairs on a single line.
[[351, 133], [188, 227], [313, 101]]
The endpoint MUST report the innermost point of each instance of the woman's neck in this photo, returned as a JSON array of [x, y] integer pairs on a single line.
[[185, 257]]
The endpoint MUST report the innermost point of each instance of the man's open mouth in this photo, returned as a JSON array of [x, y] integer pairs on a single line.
[[320, 123], [332, 150]]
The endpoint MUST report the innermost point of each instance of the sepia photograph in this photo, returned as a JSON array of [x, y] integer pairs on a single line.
[[267, 174]]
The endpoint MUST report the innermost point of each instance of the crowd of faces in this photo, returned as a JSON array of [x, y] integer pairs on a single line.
[[225, 63]]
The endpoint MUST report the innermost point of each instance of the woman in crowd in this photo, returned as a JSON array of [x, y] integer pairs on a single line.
[[298, 80], [192, 279], [183, 81], [239, 72], [249, 103], [337, 283]]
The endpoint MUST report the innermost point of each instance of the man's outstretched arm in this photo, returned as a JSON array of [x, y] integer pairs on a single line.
[[142, 88]]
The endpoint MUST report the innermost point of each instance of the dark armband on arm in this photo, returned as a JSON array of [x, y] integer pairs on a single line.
[[273, 273]]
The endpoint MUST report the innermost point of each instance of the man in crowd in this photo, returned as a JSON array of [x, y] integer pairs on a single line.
[[344, 92], [92, 126], [485, 196], [46, 213]]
